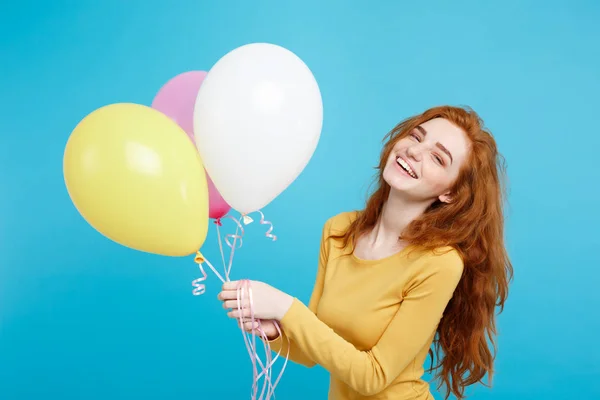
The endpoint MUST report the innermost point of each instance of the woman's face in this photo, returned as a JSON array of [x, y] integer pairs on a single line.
[[424, 165]]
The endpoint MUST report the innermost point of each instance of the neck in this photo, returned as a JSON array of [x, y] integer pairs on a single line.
[[397, 214]]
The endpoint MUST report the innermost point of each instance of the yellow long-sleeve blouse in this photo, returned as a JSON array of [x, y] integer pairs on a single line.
[[370, 323]]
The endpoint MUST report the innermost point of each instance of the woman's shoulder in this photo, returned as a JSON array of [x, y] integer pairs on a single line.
[[445, 260], [340, 222]]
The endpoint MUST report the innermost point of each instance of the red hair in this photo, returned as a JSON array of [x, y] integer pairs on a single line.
[[473, 224]]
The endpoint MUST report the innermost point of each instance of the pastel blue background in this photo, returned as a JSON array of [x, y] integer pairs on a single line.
[[84, 318]]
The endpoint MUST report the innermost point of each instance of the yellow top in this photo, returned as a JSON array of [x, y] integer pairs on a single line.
[[370, 323]]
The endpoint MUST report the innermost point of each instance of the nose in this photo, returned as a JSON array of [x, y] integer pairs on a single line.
[[414, 152]]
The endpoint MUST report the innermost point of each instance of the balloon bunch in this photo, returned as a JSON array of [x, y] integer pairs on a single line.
[[230, 139]]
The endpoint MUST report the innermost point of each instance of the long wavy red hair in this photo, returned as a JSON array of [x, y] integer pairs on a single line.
[[473, 224]]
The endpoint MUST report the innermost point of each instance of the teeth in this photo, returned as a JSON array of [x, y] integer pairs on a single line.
[[407, 167]]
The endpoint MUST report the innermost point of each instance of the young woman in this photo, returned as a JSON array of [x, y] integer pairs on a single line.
[[424, 263]]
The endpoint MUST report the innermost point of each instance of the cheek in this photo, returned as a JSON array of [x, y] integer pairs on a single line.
[[387, 173], [440, 180]]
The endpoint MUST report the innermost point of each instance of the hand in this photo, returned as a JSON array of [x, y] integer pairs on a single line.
[[268, 327], [268, 302]]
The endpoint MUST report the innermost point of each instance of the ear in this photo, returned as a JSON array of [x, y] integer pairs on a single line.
[[446, 198]]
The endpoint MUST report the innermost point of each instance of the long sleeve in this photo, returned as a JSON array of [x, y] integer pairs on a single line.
[[280, 344], [370, 372]]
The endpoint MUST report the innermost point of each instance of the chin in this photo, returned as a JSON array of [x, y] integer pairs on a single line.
[[404, 187], [404, 191], [410, 195], [398, 181]]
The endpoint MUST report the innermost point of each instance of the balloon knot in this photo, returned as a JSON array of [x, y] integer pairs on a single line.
[[199, 259], [218, 222]]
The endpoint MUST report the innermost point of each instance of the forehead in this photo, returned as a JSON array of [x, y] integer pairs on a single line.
[[451, 136]]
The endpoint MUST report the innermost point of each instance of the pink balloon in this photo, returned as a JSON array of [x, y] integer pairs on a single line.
[[217, 206], [176, 99]]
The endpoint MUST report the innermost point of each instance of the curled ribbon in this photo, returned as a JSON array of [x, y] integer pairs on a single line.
[[244, 296], [234, 241], [199, 287], [265, 222], [239, 233]]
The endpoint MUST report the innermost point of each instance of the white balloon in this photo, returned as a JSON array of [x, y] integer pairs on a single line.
[[257, 122]]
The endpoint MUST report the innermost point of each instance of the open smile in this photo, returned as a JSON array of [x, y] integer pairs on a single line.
[[406, 167]]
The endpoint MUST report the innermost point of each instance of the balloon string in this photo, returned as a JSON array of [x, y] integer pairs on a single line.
[[237, 236], [199, 287], [218, 223], [215, 271], [270, 362], [244, 297], [265, 222], [239, 233], [248, 220], [241, 293]]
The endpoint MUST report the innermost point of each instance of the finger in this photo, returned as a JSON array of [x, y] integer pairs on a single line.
[[231, 304], [250, 326], [243, 313], [231, 285], [243, 320], [228, 295]]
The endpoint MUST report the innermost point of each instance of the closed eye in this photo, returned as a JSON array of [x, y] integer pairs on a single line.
[[416, 137], [438, 159]]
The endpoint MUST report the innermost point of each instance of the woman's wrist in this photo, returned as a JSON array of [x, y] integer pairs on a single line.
[[284, 304]]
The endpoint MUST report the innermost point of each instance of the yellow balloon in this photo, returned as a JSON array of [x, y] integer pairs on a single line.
[[136, 177]]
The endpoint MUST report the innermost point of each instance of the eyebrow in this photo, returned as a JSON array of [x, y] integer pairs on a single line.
[[438, 144]]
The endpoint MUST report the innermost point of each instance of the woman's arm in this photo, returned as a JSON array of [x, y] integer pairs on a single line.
[[370, 372]]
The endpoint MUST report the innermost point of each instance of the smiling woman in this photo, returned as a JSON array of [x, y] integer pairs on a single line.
[[423, 264], [431, 155]]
